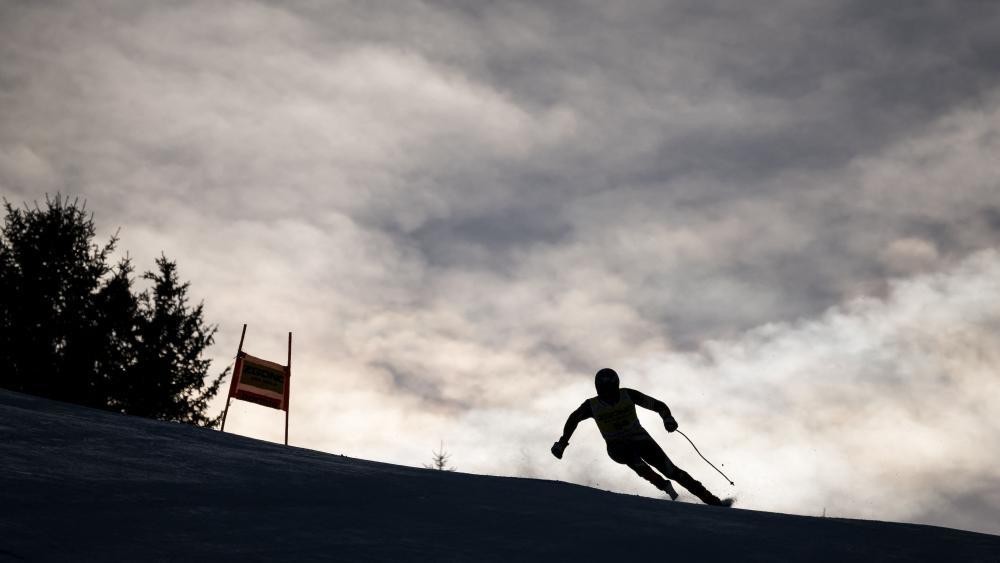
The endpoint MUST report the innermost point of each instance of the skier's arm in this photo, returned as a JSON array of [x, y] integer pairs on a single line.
[[652, 404], [645, 401], [576, 417], [580, 414]]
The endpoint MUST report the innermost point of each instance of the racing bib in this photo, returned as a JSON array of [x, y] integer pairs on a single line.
[[618, 420]]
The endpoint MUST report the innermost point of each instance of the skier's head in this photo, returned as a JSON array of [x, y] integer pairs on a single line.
[[606, 382]]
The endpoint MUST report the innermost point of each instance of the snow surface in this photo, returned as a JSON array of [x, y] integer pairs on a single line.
[[79, 484]]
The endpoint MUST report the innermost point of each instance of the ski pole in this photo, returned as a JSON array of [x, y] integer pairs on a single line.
[[703, 457]]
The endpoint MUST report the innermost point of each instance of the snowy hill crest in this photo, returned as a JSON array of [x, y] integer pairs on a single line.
[[84, 485]]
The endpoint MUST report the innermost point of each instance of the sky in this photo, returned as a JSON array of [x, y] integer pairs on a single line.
[[781, 219]]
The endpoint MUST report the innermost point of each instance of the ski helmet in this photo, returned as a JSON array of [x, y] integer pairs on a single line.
[[606, 382]]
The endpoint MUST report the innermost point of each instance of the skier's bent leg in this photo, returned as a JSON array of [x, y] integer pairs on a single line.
[[647, 473], [653, 454], [626, 453], [697, 489]]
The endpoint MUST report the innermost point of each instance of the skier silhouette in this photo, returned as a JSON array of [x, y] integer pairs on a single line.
[[628, 442]]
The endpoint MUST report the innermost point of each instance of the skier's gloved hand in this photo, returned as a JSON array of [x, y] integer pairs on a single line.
[[669, 423], [558, 448]]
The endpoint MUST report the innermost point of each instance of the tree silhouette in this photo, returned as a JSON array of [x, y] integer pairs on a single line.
[[440, 460], [170, 372], [73, 329]]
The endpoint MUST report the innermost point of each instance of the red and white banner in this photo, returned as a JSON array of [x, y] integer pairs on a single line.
[[259, 381]]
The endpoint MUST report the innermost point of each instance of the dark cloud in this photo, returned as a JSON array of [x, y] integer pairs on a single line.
[[491, 241]]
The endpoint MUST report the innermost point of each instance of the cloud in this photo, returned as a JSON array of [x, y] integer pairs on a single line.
[[878, 408]]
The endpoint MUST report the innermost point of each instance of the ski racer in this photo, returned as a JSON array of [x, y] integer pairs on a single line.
[[628, 442]]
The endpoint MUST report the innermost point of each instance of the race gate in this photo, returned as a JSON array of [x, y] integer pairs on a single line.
[[260, 381]]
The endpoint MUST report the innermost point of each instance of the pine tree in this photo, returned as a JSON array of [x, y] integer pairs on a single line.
[[440, 460], [169, 380], [117, 318], [50, 275], [73, 329]]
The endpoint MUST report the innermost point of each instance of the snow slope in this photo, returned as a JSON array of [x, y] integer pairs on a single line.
[[78, 484]]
